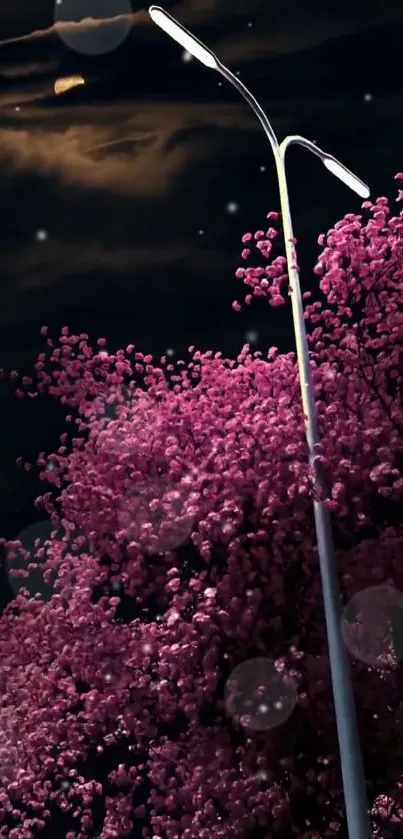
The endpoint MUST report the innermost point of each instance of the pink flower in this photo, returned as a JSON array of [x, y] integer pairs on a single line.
[[183, 547]]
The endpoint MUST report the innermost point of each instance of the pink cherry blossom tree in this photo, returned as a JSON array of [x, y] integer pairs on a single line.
[[174, 680]]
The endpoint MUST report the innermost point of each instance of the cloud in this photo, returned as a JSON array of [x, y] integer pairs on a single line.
[[86, 24], [110, 149], [59, 272], [68, 260], [15, 71], [271, 39], [131, 151], [28, 61], [194, 12]]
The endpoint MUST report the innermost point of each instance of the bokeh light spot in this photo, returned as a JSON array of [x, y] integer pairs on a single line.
[[258, 696], [93, 27], [372, 626]]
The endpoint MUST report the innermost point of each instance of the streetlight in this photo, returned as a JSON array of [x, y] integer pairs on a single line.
[[358, 821]]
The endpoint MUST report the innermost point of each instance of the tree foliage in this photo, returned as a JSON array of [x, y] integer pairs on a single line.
[[183, 580]]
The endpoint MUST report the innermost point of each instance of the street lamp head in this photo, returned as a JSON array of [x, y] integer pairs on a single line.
[[332, 164], [185, 38], [344, 174]]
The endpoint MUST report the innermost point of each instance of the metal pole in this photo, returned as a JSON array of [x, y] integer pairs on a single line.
[[355, 795], [358, 820]]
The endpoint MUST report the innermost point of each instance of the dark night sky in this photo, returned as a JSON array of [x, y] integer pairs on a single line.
[[123, 172]]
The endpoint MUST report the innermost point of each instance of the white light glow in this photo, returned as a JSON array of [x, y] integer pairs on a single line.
[[346, 176], [178, 32]]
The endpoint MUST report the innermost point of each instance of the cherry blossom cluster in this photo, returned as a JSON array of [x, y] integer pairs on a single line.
[[183, 546]]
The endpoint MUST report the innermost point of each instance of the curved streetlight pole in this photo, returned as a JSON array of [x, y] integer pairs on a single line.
[[355, 796]]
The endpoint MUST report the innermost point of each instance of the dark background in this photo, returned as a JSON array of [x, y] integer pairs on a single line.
[[123, 172]]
